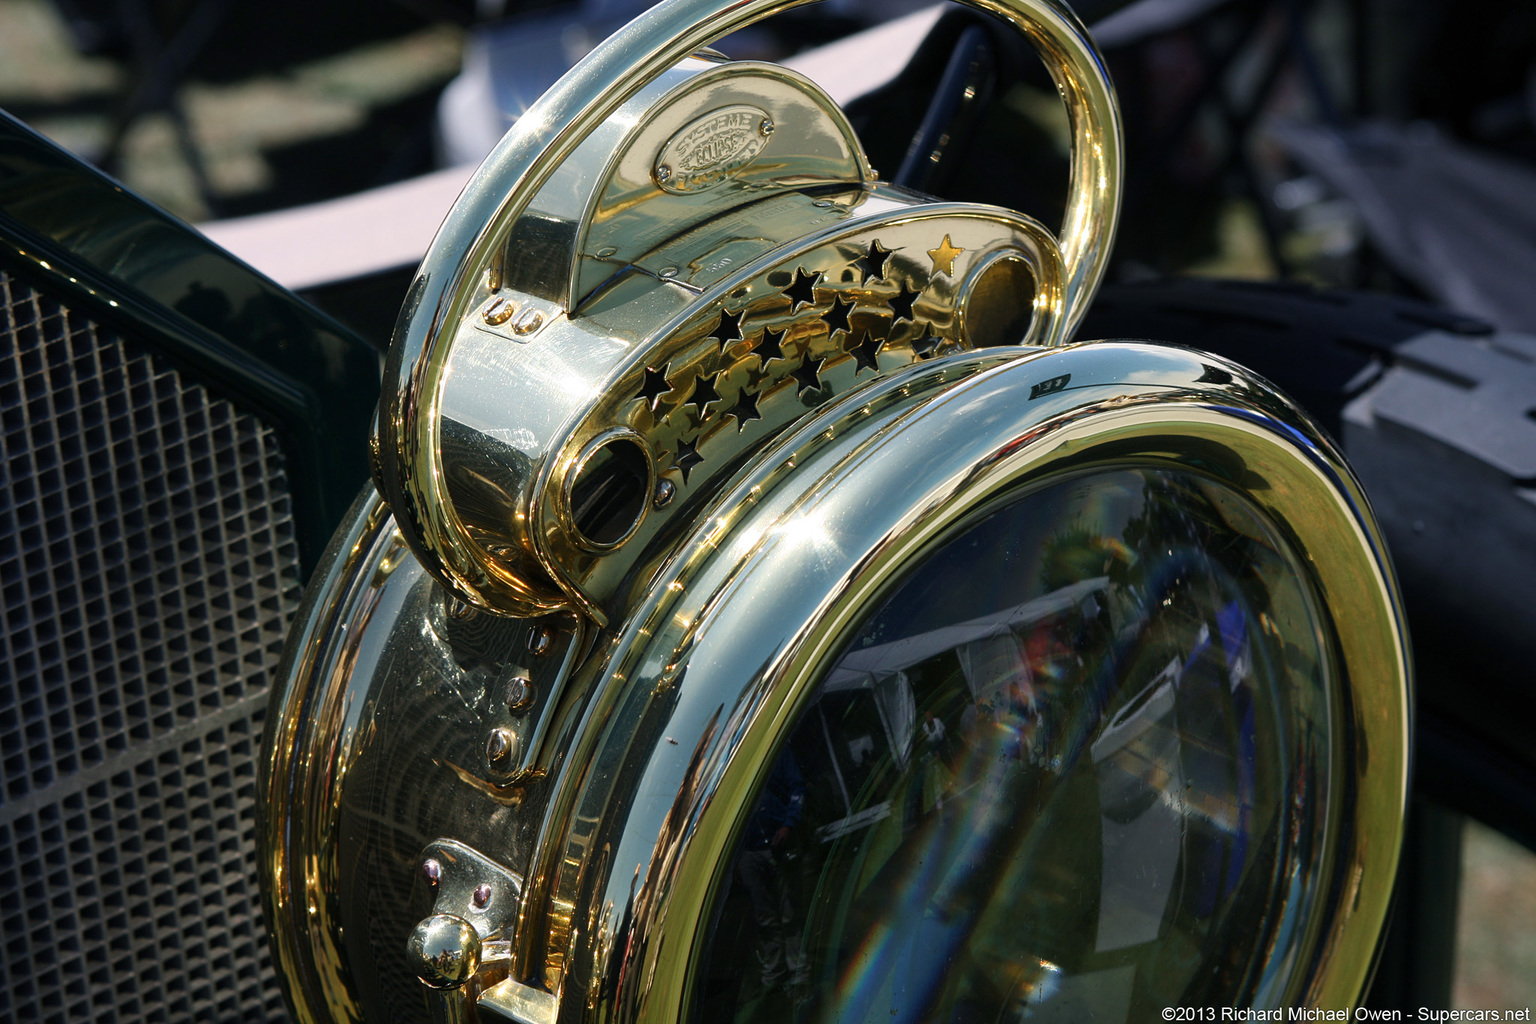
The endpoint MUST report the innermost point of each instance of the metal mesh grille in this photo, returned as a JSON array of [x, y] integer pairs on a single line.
[[148, 571]]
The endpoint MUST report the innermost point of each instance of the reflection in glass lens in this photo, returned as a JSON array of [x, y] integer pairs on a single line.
[[1066, 772]]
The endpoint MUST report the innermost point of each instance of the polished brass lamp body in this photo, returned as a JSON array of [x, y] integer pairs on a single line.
[[696, 436]]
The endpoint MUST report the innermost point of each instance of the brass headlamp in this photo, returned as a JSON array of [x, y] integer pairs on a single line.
[[762, 613]]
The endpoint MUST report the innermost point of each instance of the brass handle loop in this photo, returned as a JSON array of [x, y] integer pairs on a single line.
[[450, 279]]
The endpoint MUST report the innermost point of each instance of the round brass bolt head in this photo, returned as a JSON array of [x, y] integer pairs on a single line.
[[445, 950]]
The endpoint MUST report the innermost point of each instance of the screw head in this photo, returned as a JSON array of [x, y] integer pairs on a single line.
[[606, 251], [482, 897], [766, 126], [663, 174], [666, 490], [500, 311], [520, 694], [667, 273], [530, 321], [445, 951], [500, 747], [432, 871], [540, 640]]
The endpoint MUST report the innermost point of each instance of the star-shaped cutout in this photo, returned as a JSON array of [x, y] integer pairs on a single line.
[[901, 304], [729, 329], [655, 386], [745, 409], [923, 347], [769, 348], [703, 392], [687, 457], [837, 316], [808, 375], [865, 354], [874, 262], [803, 291], [944, 257]]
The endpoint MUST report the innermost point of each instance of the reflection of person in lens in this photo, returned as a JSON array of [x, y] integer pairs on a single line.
[[761, 869]]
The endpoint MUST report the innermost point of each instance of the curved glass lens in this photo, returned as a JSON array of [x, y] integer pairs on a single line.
[[1072, 769]]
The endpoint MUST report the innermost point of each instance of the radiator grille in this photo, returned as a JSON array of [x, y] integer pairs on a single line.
[[148, 571]]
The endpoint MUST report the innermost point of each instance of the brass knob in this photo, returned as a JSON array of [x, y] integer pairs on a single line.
[[445, 950]]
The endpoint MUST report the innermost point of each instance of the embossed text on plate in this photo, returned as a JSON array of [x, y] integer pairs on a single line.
[[712, 148]]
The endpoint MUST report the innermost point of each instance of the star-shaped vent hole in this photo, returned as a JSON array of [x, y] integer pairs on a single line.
[[837, 317], [802, 292], [687, 457], [865, 353], [873, 262], [703, 392], [655, 386], [923, 347], [808, 375], [769, 348], [745, 409], [901, 304], [729, 328]]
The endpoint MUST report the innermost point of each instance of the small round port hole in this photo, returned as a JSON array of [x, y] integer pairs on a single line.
[[1000, 302], [609, 492]]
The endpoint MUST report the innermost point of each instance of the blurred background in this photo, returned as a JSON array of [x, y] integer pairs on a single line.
[[1383, 145], [1377, 144], [222, 109]]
